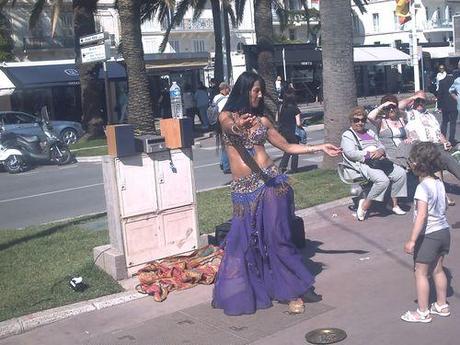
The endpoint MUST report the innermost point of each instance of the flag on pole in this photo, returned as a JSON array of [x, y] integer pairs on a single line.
[[402, 10]]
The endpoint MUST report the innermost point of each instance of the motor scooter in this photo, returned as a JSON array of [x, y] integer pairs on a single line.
[[50, 149], [12, 159]]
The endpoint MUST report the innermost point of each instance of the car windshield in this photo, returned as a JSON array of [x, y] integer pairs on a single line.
[[24, 118]]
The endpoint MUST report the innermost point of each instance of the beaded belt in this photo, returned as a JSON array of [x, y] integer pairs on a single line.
[[253, 181]]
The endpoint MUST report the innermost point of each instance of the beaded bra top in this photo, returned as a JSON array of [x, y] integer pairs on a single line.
[[249, 137]]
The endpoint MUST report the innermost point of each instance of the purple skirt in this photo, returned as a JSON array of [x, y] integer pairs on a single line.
[[260, 262]]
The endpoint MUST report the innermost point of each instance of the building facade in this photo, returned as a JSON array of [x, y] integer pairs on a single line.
[[380, 26]]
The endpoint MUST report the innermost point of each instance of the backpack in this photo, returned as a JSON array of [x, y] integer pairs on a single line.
[[213, 111]]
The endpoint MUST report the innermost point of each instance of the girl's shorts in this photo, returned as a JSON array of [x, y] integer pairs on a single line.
[[430, 247]]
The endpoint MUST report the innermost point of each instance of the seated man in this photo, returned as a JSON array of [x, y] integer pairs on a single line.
[[365, 153]]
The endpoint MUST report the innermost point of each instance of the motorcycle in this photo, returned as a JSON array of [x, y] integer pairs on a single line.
[[50, 149], [12, 159]]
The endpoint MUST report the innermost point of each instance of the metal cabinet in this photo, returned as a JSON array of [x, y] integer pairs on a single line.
[[155, 194], [136, 185]]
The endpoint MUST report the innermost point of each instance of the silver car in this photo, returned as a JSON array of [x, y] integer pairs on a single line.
[[27, 124]]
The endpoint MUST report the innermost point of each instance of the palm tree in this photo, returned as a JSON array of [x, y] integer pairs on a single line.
[[140, 107], [339, 84], [6, 43], [263, 22], [263, 26], [90, 86]]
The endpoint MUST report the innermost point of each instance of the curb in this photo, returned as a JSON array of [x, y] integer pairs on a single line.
[[26, 323], [90, 159]]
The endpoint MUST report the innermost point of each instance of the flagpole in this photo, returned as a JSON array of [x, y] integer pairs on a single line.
[[415, 46]]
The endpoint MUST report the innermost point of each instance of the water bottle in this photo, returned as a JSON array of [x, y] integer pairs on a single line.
[[176, 100]]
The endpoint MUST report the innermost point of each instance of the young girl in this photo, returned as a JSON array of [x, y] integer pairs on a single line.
[[430, 237]]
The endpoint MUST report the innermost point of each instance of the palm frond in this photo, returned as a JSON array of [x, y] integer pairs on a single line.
[[231, 13], [159, 8], [239, 10], [36, 12], [198, 8], [181, 10], [360, 4], [55, 17]]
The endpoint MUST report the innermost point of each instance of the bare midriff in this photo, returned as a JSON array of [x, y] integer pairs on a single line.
[[238, 166]]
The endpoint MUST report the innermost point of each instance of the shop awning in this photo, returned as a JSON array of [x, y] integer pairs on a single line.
[[176, 61], [26, 76], [379, 56], [171, 65], [439, 52], [297, 55], [6, 86]]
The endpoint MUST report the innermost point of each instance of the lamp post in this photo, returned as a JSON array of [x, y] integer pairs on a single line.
[[415, 6]]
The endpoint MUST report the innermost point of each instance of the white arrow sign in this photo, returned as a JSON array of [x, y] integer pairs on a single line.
[[93, 53]]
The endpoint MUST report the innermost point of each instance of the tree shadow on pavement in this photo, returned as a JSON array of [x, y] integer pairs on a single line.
[[312, 247], [379, 246], [452, 188]]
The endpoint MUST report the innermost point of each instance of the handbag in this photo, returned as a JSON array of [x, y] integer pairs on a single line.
[[383, 164]]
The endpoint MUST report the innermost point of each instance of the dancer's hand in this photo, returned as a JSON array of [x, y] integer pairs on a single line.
[[331, 150], [244, 121], [409, 247]]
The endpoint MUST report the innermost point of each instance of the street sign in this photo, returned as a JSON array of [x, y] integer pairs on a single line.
[[94, 53], [92, 38]]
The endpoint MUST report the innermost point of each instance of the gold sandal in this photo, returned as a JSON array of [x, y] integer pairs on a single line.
[[296, 306]]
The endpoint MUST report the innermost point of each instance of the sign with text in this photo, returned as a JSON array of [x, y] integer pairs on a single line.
[[94, 53], [92, 38]]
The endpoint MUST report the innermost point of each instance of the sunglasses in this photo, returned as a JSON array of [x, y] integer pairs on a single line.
[[419, 101], [356, 120], [390, 108]]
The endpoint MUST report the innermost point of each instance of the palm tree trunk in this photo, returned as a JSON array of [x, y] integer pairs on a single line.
[[218, 54], [263, 23], [339, 85], [228, 52], [140, 110], [90, 86]]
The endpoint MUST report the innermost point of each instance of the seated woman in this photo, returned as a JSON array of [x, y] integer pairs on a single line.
[[361, 149], [390, 124], [419, 125], [260, 263]]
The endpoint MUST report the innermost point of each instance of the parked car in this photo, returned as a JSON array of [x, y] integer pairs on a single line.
[[27, 124]]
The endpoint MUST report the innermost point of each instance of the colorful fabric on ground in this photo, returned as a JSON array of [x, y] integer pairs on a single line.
[[180, 272]]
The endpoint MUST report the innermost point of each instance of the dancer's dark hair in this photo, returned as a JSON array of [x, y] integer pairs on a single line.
[[239, 100]]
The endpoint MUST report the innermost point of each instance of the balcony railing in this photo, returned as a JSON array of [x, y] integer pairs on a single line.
[[47, 42], [296, 16], [201, 24]]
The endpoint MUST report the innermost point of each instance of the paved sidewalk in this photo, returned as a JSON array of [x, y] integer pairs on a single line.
[[361, 270]]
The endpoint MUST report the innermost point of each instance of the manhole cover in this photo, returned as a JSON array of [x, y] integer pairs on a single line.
[[325, 336]]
